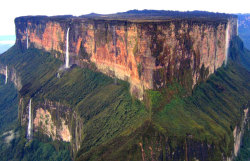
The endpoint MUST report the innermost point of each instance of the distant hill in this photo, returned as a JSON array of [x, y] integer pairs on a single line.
[[244, 28], [159, 15], [6, 41], [4, 47]]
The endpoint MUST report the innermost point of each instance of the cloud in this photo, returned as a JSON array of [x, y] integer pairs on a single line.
[[9, 136]]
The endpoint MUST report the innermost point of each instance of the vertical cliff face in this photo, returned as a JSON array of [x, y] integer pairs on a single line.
[[147, 54]]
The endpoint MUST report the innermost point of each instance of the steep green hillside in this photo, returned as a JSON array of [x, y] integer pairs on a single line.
[[101, 104], [206, 117], [179, 121], [8, 105], [13, 143]]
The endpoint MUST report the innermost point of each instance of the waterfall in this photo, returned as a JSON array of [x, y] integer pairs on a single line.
[[29, 136], [6, 74], [227, 43], [67, 50], [27, 38]]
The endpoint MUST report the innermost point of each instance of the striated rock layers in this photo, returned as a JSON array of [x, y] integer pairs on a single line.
[[146, 53]]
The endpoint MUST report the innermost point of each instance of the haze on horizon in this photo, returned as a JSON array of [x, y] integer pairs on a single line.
[[13, 8]]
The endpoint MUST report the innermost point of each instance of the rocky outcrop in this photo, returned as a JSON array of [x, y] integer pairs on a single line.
[[148, 54], [43, 120], [54, 120]]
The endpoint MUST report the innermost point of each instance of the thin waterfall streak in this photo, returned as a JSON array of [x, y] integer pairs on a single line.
[[6, 74], [67, 50], [227, 44], [30, 122], [27, 38]]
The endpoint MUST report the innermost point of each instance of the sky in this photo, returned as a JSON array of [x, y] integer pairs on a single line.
[[10, 9]]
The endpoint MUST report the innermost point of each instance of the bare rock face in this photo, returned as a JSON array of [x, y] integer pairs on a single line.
[[145, 53], [43, 120]]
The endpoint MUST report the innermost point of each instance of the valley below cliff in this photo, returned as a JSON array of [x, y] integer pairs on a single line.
[[136, 89]]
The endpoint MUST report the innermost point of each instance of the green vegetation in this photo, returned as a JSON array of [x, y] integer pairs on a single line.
[[116, 126], [145, 15], [93, 96], [17, 147], [206, 117], [41, 149], [8, 105], [73, 86], [34, 67], [211, 111]]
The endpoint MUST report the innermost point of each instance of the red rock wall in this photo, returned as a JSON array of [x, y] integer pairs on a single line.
[[146, 54]]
